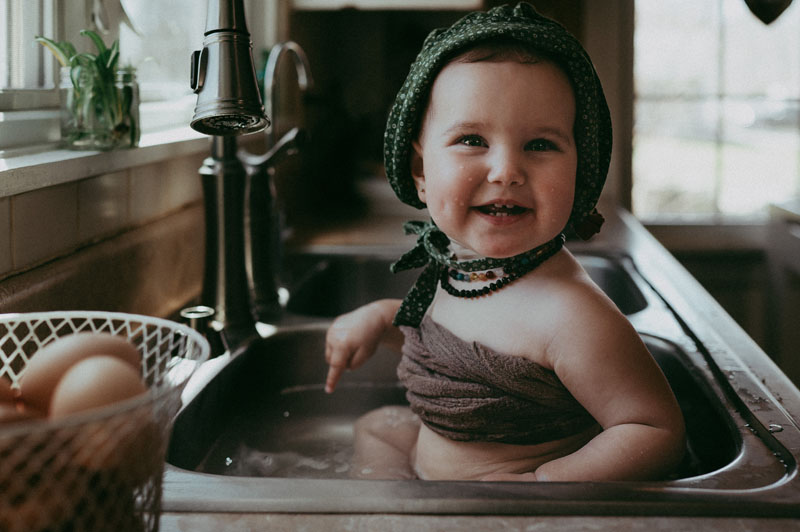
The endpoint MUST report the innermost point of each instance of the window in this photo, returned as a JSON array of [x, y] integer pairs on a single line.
[[717, 110], [26, 64], [160, 47], [159, 41]]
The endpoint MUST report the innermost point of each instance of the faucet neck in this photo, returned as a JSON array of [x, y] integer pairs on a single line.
[[226, 15]]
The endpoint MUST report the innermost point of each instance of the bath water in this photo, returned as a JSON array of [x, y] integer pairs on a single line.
[[312, 447], [301, 432], [332, 461]]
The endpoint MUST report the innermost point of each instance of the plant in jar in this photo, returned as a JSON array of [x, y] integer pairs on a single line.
[[99, 101]]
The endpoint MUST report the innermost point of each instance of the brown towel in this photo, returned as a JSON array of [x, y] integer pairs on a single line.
[[467, 392]]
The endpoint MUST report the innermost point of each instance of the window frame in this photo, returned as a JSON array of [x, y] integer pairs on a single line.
[[26, 112], [613, 60], [31, 116], [721, 97]]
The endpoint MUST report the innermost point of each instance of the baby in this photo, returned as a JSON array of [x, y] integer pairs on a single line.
[[516, 365]]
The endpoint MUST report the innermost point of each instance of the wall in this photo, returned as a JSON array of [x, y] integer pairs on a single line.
[[130, 240]]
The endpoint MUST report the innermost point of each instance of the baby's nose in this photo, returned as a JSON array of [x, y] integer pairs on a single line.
[[506, 169]]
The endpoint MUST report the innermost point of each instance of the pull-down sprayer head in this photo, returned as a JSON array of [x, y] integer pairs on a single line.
[[224, 76]]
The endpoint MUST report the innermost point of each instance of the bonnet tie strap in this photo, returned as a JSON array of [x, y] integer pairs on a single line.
[[431, 246], [432, 252]]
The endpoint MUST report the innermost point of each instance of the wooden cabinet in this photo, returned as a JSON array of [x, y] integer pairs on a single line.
[[783, 257]]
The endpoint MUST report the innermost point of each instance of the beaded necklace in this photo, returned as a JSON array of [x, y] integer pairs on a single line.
[[519, 266], [433, 252]]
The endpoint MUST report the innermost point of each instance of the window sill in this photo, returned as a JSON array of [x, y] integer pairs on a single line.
[[30, 171], [712, 236], [313, 5]]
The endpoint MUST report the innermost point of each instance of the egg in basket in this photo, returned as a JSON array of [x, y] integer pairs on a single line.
[[87, 401]]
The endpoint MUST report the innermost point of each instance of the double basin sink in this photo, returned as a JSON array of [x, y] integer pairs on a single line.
[[259, 434]]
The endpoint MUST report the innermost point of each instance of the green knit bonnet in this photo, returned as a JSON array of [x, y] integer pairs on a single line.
[[521, 24]]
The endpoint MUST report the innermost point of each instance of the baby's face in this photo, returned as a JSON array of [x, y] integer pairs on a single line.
[[496, 159]]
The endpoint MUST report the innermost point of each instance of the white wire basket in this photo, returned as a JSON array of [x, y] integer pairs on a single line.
[[101, 470]]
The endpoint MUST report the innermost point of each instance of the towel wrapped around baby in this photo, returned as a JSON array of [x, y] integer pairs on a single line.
[[467, 392]]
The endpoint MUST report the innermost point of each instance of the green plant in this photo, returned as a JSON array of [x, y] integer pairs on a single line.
[[97, 106]]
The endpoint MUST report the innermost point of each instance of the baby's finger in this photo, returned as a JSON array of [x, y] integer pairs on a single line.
[[334, 372]]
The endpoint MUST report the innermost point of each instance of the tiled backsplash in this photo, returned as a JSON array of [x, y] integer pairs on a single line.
[[43, 224], [5, 234]]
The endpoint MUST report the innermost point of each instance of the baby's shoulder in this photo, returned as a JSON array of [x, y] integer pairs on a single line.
[[582, 318], [566, 298], [566, 284]]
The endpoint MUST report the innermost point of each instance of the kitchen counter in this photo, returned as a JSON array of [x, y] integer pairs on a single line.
[[737, 355], [460, 523]]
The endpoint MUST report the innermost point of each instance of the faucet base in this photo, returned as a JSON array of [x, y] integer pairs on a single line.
[[225, 285]]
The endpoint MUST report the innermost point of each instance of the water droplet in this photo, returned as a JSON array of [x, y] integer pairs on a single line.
[[228, 460], [774, 427], [286, 413]]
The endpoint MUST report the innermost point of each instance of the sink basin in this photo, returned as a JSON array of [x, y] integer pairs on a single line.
[[258, 433], [266, 413], [326, 285]]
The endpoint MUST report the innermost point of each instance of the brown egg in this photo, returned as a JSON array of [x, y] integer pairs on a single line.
[[48, 365], [128, 446], [95, 382], [119, 441]]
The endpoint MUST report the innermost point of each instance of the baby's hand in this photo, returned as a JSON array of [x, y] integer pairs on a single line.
[[353, 337]]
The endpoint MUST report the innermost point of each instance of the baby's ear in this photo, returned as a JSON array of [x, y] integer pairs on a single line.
[[417, 171]]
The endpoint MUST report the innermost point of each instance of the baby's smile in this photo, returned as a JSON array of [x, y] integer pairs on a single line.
[[502, 209]]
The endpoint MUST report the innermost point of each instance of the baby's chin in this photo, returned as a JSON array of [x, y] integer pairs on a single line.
[[472, 250], [476, 245], [498, 250]]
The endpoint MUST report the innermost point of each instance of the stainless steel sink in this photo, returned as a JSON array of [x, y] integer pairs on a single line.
[[330, 284], [258, 433], [266, 413]]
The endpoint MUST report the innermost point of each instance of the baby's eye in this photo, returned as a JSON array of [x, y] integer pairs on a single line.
[[541, 145], [472, 140]]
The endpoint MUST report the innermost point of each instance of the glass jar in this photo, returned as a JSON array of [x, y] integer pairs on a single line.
[[128, 126], [97, 113]]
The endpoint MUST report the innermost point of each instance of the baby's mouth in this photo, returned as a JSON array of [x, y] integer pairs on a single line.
[[501, 209]]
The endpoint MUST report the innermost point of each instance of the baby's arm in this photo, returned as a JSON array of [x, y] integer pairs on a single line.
[[601, 359], [353, 337]]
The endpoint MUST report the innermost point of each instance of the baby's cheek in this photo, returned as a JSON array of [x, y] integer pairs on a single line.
[[440, 212], [452, 200], [449, 209]]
